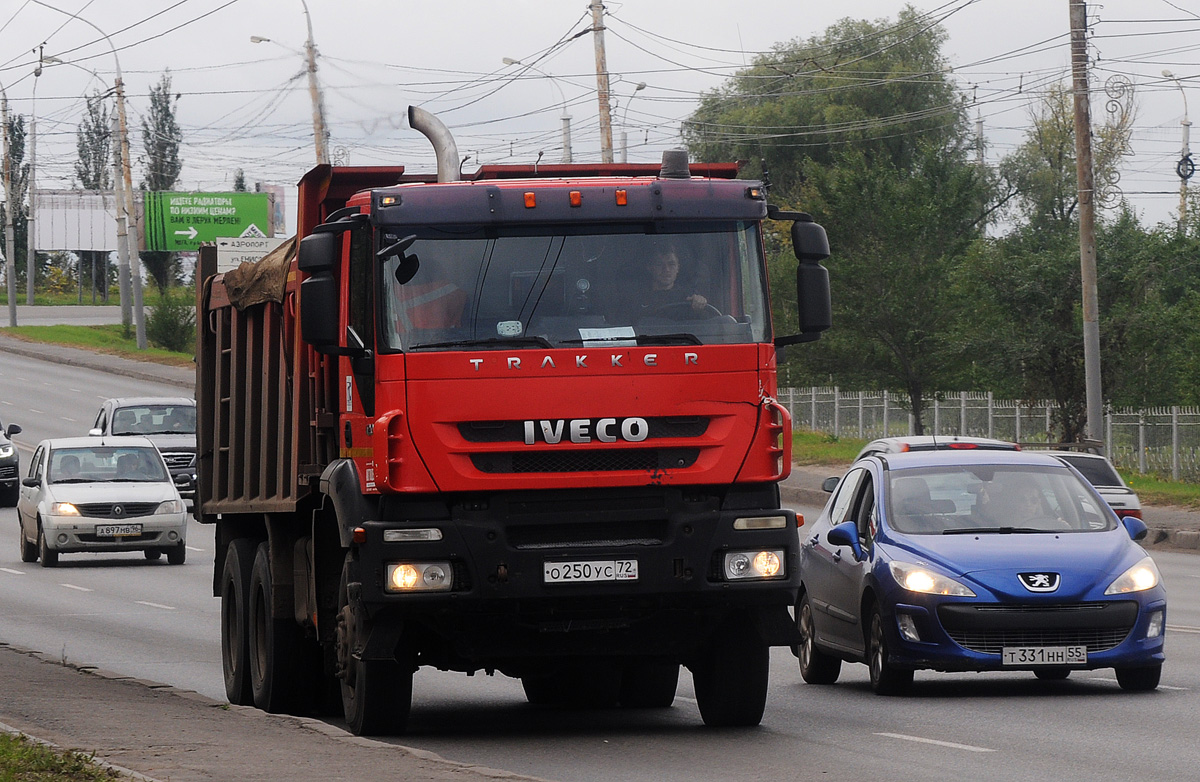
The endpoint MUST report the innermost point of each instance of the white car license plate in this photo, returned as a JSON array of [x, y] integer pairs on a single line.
[[117, 530], [604, 570], [1043, 655]]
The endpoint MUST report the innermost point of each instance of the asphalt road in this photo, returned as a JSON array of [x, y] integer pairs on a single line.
[[160, 622]]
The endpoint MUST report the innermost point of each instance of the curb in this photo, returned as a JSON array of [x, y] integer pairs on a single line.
[[155, 373]]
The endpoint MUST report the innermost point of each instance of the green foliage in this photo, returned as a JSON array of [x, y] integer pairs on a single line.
[[172, 323], [93, 141], [161, 139], [819, 448], [22, 759]]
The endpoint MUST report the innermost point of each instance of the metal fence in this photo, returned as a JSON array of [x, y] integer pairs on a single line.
[[1160, 441]]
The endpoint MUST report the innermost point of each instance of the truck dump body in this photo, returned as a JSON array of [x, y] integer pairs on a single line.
[[520, 423]]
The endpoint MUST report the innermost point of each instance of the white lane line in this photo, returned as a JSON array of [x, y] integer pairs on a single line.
[[77, 588], [10, 570], [1114, 681], [64, 418], [947, 744], [1184, 629], [193, 548], [154, 605], [39, 412]]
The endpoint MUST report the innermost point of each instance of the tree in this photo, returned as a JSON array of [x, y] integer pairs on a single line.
[[239, 181], [93, 171], [161, 139], [20, 186]]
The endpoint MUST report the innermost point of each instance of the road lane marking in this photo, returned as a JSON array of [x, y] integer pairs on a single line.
[[14, 572], [1184, 629], [78, 588], [64, 418], [39, 412], [947, 744], [154, 605], [193, 548]]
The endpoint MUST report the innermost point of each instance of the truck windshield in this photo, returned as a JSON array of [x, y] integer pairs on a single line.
[[697, 284]]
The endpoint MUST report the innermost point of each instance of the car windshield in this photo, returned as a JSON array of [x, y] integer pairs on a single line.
[[696, 284], [154, 419], [98, 464], [978, 499]]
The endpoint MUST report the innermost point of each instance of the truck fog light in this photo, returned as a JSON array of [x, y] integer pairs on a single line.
[[419, 577], [749, 565], [1155, 627], [908, 627]]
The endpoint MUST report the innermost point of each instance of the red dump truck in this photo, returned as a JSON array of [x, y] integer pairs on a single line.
[[519, 422]]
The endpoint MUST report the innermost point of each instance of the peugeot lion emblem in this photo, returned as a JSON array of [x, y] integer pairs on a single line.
[[1039, 582]]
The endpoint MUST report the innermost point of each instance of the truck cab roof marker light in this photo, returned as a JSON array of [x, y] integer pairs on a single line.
[[576, 198], [622, 198], [389, 200], [530, 200]]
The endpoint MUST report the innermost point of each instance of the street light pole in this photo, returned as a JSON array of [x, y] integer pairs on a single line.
[[566, 118], [130, 264], [641, 85], [1185, 167], [320, 134], [10, 263]]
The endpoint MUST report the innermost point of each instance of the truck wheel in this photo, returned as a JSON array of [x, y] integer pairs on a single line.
[[376, 694], [274, 643], [649, 684], [235, 635], [48, 555], [731, 677]]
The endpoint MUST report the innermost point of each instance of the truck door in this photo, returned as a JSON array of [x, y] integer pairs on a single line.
[[358, 371]]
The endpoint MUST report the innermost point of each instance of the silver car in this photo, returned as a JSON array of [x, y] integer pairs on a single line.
[[99, 494]]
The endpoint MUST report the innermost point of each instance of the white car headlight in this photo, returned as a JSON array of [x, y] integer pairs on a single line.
[[1142, 576], [916, 578], [6, 451], [170, 506], [63, 509]]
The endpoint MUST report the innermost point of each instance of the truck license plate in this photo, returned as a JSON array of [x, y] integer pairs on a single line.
[[1044, 655], [604, 570], [117, 530]]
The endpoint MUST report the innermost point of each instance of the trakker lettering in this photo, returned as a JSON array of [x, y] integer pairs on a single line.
[[584, 430], [615, 359]]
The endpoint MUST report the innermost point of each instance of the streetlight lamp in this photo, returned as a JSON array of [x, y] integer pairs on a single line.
[[320, 135], [128, 261], [566, 118], [1185, 167], [641, 85]]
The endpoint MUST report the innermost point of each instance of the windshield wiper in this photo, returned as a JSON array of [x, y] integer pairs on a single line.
[[493, 342], [994, 530], [682, 338], [72, 480]]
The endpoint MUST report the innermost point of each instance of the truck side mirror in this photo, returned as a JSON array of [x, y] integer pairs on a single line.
[[319, 252], [318, 256], [811, 246]]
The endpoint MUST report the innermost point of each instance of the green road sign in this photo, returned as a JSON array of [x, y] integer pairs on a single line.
[[178, 222]]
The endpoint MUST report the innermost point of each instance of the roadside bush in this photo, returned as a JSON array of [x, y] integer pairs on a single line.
[[172, 323]]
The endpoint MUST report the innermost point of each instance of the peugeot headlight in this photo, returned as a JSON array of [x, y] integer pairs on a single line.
[[63, 509], [916, 578], [170, 506], [1142, 576], [6, 451]]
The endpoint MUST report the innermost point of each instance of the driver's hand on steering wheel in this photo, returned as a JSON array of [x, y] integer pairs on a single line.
[[698, 301]]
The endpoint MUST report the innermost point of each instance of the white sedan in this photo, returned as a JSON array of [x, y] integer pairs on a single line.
[[99, 494]]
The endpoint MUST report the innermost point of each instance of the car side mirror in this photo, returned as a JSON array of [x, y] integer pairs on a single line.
[[829, 484], [31, 482], [846, 534], [13, 429], [96, 432], [1136, 528]]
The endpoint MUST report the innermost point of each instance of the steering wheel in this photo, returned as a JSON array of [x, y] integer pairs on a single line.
[[683, 310]]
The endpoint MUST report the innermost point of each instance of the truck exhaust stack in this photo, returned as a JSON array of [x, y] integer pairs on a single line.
[[443, 142]]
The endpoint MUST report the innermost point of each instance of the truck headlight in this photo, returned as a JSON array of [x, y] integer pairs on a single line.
[[751, 565], [419, 577]]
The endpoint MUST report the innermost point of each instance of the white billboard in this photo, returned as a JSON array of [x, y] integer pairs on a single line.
[[75, 220]]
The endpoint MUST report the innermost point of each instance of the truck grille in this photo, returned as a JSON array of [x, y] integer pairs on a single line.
[[988, 629], [608, 460], [104, 510], [514, 431]]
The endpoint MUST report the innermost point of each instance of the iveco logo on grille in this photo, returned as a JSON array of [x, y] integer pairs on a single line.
[[585, 430], [1039, 582]]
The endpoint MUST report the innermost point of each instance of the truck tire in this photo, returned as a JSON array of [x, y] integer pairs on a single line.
[[731, 677], [274, 648], [376, 694], [649, 684], [235, 610]]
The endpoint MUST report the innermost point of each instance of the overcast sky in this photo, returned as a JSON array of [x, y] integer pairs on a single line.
[[246, 105]]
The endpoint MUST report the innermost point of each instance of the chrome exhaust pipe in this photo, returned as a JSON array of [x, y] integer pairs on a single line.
[[443, 143]]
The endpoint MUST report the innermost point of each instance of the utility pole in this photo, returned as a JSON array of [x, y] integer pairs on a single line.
[[122, 231], [10, 263], [314, 93], [979, 160], [1087, 219], [606, 141], [1185, 168], [30, 239]]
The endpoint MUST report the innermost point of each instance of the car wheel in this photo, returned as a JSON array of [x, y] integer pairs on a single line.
[[29, 550], [816, 667], [152, 554], [1052, 674], [731, 677], [886, 679], [177, 555], [376, 694], [235, 634], [48, 555], [649, 684], [1139, 679]]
